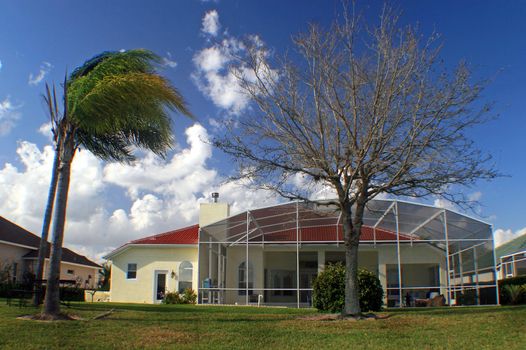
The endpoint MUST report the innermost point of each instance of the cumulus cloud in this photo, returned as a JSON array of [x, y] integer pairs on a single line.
[[168, 61], [211, 23], [218, 69], [502, 236], [161, 194], [45, 68], [8, 116]]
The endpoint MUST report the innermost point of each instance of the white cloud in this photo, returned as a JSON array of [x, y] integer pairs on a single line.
[[162, 194], [45, 130], [219, 67], [0, 65], [502, 236], [445, 204], [217, 76], [168, 61], [211, 23], [45, 68], [8, 116]]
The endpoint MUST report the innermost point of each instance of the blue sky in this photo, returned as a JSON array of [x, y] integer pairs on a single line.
[[111, 204]]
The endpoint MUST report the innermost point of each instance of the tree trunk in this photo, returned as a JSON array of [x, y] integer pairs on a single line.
[[52, 299], [352, 239], [42, 250]]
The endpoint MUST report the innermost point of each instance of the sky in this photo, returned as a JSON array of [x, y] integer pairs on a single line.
[[111, 204]]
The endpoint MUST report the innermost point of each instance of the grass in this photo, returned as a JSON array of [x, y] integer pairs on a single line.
[[134, 326]]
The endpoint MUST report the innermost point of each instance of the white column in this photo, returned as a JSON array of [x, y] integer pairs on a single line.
[[246, 261], [447, 260], [297, 256], [321, 261], [398, 256]]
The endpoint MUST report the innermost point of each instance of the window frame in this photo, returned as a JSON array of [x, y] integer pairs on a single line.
[[128, 270], [185, 282], [241, 276]]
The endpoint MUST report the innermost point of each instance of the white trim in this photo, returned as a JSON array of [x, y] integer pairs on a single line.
[[509, 255], [161, 245], [19, 245]]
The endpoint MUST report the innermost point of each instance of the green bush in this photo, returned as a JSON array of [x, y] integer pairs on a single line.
[[328, 292], [515, 293], [187, 297], [172, 298], [371, 291], [504, 296]]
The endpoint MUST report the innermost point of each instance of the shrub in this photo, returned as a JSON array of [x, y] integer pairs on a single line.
[[329, 289], [187, 297], [172, 298], [371, 291], [515, 293], [505, 297]]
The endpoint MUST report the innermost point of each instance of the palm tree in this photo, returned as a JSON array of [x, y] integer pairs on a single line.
[[112, 103]]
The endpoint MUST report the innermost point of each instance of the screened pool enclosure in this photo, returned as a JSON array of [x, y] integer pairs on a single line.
[[271, 255]]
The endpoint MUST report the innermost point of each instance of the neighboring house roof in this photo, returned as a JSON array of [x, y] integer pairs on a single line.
[[514, 246], [11, 233], [68, 256]]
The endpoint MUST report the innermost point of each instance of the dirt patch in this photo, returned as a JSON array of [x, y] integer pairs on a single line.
[[48, 318], [163, 336], [340, 317]]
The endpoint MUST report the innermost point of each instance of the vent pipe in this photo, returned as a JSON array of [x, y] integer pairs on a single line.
[[215, 196]]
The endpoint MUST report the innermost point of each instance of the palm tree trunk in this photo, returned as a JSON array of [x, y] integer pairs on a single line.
[[52, 299], [351, 232], [42, 251]]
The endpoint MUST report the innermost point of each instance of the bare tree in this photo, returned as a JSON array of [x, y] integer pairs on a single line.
[[363, 110]]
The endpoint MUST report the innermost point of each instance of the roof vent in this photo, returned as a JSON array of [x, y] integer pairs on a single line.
[[215, 196]]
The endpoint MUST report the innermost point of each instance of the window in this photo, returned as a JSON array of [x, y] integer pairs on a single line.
[[132, 272], [242, 277], [185, 276], [71, 272]]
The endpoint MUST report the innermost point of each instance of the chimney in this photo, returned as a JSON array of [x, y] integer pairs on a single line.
[[214, 211]]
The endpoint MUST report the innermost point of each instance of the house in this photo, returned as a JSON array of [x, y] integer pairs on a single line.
[[19, 254], [511, 258], [271, 255]]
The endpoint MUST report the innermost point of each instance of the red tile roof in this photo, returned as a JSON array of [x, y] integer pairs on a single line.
[[329, 233], [185, 235], [190, 235]]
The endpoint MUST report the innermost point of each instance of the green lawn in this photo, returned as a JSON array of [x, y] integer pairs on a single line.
[[184, 326]]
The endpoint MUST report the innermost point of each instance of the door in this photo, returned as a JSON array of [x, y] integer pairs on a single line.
[[160, 285]]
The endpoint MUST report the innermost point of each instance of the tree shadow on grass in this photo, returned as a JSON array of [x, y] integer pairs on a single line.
[[451, 311]]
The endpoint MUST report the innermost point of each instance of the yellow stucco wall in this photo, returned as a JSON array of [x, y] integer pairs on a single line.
[[148, 260], [10, 254]]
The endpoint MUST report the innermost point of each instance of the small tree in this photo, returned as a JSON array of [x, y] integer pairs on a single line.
[[362, 110], [105, 276]]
